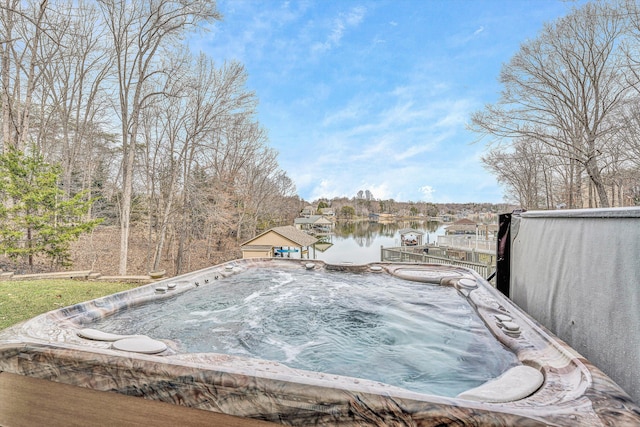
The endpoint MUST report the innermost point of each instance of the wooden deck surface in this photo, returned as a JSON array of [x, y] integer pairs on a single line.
[[28, 402]]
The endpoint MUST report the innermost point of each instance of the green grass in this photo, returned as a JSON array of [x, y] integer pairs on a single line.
[[22, 300]]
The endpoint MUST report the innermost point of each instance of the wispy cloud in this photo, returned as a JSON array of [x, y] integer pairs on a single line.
[[412, 151], [461, 39], [338, 27], [354, 110], [401, 152], [375, 96], [254, 34]]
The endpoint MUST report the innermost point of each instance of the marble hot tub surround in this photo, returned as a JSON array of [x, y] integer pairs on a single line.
[[573, 391]]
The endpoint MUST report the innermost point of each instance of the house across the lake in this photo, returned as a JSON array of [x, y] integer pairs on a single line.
[[314, 224], [462, 226]]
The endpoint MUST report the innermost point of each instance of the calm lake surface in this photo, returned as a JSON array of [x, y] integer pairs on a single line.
[[359, 242]]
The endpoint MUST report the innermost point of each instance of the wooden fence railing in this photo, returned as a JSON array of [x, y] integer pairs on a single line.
[[400, 255]]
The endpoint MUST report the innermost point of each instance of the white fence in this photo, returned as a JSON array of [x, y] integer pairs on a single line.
[[400, 255], [467, 242]]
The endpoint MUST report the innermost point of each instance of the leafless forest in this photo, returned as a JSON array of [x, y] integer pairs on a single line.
[[565, 127], [166, 142], [169, 146]]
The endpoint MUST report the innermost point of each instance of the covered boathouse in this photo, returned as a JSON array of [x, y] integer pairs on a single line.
[[286, 241]]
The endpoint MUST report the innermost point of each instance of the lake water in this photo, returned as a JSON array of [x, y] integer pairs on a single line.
[[359, 242]]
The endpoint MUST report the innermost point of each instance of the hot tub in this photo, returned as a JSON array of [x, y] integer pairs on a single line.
[[531, 376]]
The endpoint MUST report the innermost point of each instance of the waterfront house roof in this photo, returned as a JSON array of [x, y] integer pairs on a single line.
[[307, 211], [462, 226], [327, 211], [460, 229], [286, 235], [411, 231], [313, 219], [464, 221]]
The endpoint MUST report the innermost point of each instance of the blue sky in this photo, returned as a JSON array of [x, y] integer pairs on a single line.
[[376, 94]]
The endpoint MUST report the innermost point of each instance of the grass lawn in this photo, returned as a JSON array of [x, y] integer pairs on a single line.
[[22, 300]]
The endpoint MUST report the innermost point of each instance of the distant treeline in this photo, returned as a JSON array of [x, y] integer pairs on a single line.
[[344, 207]]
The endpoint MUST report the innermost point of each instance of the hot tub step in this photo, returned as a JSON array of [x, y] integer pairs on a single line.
[[140, 345], [515, 384], [96, 335]]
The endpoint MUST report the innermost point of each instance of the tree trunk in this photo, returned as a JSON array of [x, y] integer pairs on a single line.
[[572, 189], [180, 254], [23, 132], [29, 244], [162, 232], [6, 61], [125, 212], [596, 179], [127, 196]]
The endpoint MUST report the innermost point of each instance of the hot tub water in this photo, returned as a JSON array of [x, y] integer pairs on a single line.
[[421, 337]]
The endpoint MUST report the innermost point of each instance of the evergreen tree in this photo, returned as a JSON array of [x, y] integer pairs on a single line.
[[347, 211], [35, 217], [321, 205]]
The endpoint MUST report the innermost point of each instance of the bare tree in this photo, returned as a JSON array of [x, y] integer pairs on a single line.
[[183, 132], [219, 96], [140, 30], [23, 32], [256, 188], [165, 147], [629, 133], [561, 88], [76, 77], [72, 94], [521, 170], [8, 38]]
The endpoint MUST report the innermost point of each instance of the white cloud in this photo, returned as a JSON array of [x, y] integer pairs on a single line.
[[375, 149], [454, 113], [355, 109], [379, 190], [412, 151], [337, 29], [427, 192], [355, 16], [461, 39], [384, 102], [332, 187]]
